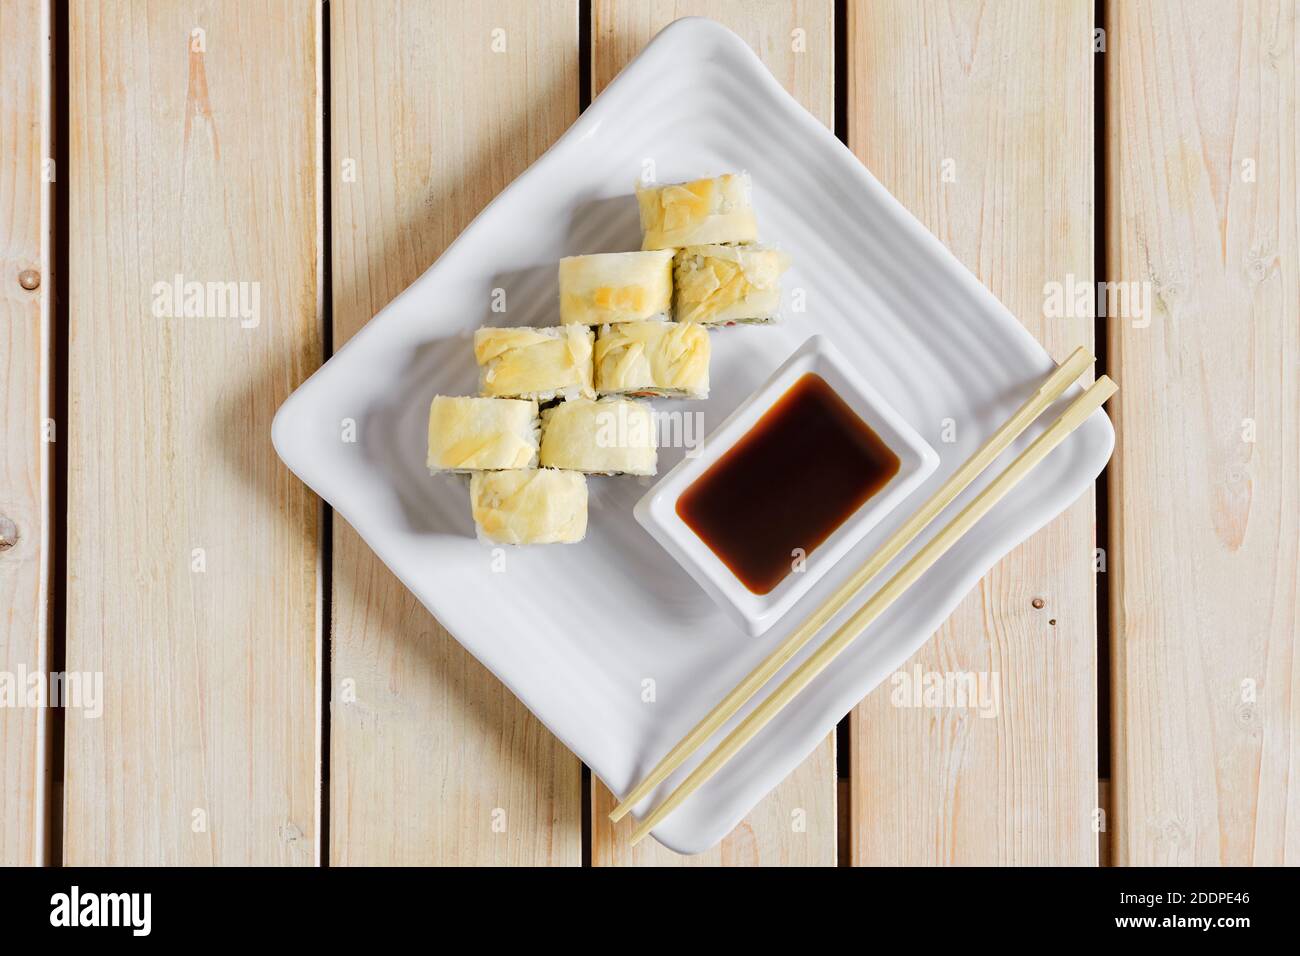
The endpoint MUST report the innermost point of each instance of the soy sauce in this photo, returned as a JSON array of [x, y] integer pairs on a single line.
[[803, 469]]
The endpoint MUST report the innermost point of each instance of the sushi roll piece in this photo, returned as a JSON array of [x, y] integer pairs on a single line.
[[664, 359], [727, 285], [540, 364], [471, 434], [616, 287], [529, 506], [614, 436], [703, 212]]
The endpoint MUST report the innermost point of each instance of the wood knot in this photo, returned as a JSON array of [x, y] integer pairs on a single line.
[[1244, 715], [1173, 832], [8, 533], [29, 279], [1038, 603]]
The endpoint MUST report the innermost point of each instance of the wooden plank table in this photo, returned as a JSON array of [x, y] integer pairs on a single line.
[[420, 731], [25, 392], [619, 30], [1205, 155], [961, 133], [193, 554], [272, 694]]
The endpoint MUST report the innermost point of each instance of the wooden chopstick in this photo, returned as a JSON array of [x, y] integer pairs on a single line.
[[1074, 416], [1051, 389]]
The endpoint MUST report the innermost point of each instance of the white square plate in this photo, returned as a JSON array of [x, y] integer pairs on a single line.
[[575, 630], [755, 613]]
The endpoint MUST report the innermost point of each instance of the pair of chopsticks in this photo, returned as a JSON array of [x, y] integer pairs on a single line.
[[1074, 416]]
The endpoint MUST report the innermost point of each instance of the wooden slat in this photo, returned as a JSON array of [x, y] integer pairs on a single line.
[[1204, 159], [795, 40], [193, 553], [433, 761], [24, 404], [978, 117], [796, 823]]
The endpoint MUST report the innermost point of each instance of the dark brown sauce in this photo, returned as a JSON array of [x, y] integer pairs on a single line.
[[803, 469]]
